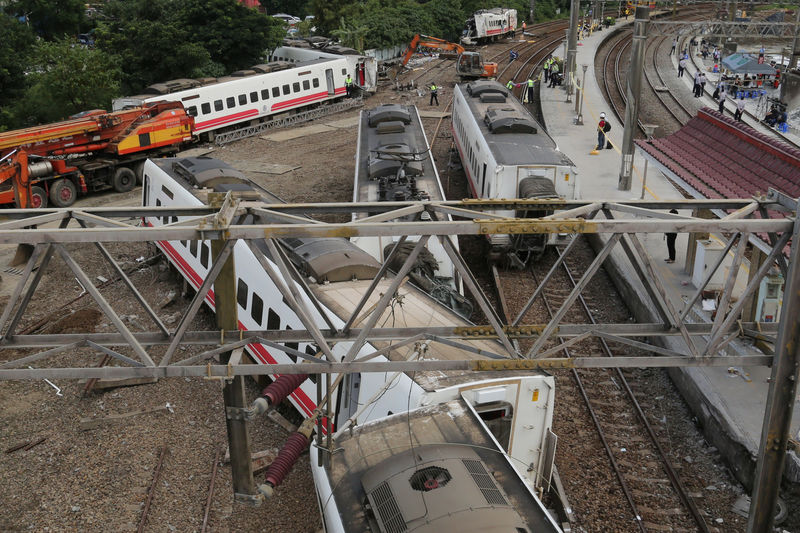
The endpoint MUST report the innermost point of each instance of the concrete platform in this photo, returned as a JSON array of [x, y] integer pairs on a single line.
[[728, 402]]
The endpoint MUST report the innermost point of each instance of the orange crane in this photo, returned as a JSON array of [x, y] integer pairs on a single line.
[[91, 151], [468, 64]]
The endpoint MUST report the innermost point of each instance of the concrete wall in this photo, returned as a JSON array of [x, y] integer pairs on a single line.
[[790, 90]]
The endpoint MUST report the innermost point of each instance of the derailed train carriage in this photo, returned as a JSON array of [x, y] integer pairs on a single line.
[[421, 451], [490, 24], [394, 163], [506, 154]]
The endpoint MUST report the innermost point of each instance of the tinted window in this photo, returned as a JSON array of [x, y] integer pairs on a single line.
[[286, 89], [205, 108], [253, 97], [312, 351], [242, 99], [292, 345], [241, 293], [217, 105], [264, 94], [205, 254], [257, 309], [344, 72], [306, 85], [193, 248], [296, 86], [276, 92], [315, 82], [167, 192], [192, 110], [273, 320], [230, 102]]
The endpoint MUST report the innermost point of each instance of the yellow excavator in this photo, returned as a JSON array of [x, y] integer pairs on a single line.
[[469, 65]]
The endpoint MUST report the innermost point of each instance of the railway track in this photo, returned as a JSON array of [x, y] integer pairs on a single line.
[[610, 437]]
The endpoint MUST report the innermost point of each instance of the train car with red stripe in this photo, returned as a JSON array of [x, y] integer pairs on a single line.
[[506, 153], [249, 96], [491, 420], [488, 25]]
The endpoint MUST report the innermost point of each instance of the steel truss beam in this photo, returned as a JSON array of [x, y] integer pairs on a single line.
[[761, 30]]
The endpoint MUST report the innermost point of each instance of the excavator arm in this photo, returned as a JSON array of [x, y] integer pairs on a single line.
[[425, 41]]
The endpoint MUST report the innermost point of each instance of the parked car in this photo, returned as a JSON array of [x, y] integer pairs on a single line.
[[289, 20]]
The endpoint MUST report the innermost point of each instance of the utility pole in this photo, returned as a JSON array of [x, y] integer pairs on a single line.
[[572, 45], [641, 18], [531, 12]]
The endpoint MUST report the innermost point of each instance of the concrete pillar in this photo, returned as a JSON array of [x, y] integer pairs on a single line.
[[756, 260], [634, 91], [691, 248], [572, 44]]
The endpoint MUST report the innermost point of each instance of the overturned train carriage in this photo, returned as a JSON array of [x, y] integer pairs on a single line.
[[506, 154], [394, 163], [415, 451]]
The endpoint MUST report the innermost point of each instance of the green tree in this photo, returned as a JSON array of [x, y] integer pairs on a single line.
[[328, 13], [51, 18], [351, 35], [66, 79], [298, 8], [15, 47]]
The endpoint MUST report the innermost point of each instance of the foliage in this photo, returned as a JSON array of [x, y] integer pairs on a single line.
[[159, 40], [51, 18], [298, 8], [351, 35], [15, 46], [65, 79], [328, 13], [304, 28]]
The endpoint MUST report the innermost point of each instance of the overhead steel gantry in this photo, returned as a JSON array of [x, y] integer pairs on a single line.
[[760, 30], [621, 223]]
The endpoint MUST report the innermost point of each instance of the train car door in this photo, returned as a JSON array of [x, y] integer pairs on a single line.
[[329, 81]]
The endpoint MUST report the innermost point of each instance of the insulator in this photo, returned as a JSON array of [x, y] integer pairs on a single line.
[[282, 387], [287, 457]]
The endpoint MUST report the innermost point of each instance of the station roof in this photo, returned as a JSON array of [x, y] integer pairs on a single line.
[[718, 157], [746, 64]]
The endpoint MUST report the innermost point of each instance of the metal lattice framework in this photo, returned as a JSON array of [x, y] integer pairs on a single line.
[[622, 222], [759, 30]]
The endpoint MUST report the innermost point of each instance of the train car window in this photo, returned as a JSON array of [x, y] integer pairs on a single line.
[[306, 85], [296, 87], [286, 89], [276, 92], [241, 293], [230, 102], [218, 105], [253, 97], [205, 255], [344, 72], [192, 111], [273, 320], [257, 309], [205, 108], [315, 82], [167, 192], [312, 351], [265, 94], [146, 190], [193, 248], [185, 244], [242, 99], [292, 345]]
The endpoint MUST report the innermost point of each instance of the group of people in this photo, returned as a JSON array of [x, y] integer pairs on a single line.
[[777, 115], [527, 93], [699, 83], [552, 72]]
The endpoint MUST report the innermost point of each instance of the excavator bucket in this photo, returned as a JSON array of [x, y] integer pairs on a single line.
[[22, 255]]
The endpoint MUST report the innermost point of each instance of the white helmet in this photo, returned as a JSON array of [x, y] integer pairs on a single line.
[[602, 115]]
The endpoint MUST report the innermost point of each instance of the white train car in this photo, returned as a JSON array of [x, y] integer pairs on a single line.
[[479, 447], [363, 69], [394, 163], [506, 153], [252, 95], [490, 24]]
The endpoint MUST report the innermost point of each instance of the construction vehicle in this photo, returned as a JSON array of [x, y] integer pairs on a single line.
[[91, 151], [469, 65]]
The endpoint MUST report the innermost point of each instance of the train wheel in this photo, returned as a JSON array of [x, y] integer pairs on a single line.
[[124, 179], [63, 193], [38, 198]]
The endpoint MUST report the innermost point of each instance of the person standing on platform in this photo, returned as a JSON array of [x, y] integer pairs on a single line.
[[702, 83], [530, 90], [722, 97], [671, 238], [674, 45], [739, 109], [546, 69], [553, 73], [602, 128], [681, 67], [697, 84], [434, 94]]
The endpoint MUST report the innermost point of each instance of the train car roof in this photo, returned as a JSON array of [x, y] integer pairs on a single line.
[[509, 130], [389, 463], [389, 137]]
